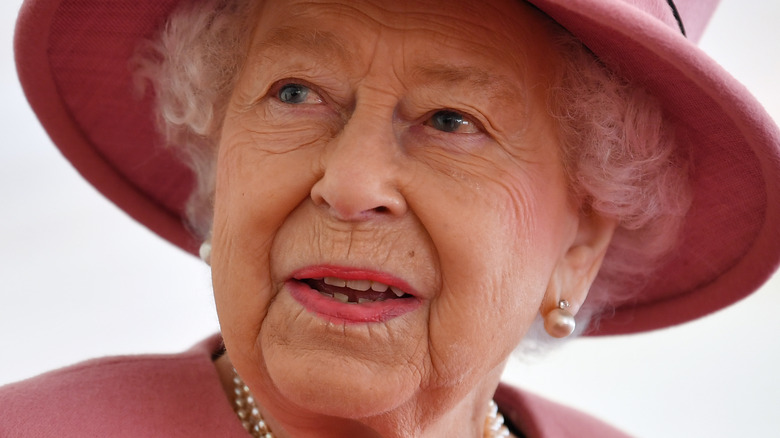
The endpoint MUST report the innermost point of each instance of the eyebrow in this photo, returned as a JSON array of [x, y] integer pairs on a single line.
[[327, 45], [317, 42], [498, 86]]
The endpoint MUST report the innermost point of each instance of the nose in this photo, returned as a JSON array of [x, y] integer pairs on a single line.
[[360, 175]]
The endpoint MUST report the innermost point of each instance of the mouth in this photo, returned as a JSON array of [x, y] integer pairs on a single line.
[[354, 291], [351, 296]]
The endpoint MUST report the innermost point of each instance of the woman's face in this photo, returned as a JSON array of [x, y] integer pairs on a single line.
[[403, 144]]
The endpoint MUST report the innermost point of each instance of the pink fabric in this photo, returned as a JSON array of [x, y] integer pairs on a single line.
[[76, 75], [730, 238], [695, 15], [176, 395], [179, 395], [540, 417]]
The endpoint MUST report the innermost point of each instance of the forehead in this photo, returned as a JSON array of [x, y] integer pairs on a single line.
[[507, 32]]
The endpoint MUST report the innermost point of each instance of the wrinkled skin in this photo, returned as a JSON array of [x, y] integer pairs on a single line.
[[335, 151]]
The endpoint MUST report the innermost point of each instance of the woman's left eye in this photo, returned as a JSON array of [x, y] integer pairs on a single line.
[[297, 94], [452, 121]]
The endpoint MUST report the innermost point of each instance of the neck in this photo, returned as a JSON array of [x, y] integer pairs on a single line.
[[437, 413]]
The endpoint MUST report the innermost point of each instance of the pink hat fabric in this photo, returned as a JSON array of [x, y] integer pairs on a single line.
[[72, 58]]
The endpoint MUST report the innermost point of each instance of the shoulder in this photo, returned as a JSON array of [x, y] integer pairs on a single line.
[[151, 395], [538, 417]]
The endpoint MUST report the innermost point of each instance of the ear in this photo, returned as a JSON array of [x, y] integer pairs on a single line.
[[579, 264]]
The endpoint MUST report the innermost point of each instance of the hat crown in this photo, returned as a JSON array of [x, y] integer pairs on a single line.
[[693, 14]]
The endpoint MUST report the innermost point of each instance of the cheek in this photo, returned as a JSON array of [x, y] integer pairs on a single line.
[[499, 239], [263, 174], [275, 128], [495, 221], [256, 189]]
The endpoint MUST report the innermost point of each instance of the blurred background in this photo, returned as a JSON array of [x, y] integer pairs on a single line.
[[79, 279]]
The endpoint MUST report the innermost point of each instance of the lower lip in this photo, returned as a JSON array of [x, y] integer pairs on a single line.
[[335, 311]]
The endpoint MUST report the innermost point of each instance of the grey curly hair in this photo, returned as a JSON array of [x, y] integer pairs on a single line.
[[618, 150]]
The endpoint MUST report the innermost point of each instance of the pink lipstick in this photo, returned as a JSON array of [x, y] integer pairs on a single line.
[[351, 296]]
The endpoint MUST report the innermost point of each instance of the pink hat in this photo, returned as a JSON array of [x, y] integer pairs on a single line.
[[72, 57]]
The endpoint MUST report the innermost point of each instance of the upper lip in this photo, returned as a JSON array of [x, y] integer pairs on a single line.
[[350, 273]]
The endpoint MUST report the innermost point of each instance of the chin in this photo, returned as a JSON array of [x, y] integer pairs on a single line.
[[335, 386], [340, 369]]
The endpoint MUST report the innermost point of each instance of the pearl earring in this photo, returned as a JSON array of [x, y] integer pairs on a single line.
[[205, 252], [559, 322]]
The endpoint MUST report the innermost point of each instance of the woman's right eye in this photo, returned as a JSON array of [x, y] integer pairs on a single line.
[[297, 94]]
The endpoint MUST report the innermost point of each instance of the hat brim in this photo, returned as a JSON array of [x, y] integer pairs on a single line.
[[73, 64], [730, 241], [72, 59]]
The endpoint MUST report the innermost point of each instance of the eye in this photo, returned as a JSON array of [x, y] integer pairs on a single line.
[[297, 94], [452, 121]]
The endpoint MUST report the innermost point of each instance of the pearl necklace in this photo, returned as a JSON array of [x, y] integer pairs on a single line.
[[247, 410]]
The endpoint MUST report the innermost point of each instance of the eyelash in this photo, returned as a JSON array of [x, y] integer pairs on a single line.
[[277, 88], [465, 117]]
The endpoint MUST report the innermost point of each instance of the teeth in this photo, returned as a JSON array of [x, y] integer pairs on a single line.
[[333, 281], [361, 285], [326, 294], [378, 287]]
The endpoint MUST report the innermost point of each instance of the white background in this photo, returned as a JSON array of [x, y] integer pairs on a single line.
[[79, 279]]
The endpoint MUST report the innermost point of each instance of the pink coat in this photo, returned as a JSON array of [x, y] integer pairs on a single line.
[[179, 395]]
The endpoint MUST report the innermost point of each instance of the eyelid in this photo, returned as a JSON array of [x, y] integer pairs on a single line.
[[466, 116], [273, 91]]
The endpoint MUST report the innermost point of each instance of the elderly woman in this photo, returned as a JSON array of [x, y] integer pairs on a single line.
[[393, 196]]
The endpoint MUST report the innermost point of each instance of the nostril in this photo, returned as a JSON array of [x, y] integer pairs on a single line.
[[354, 197]]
